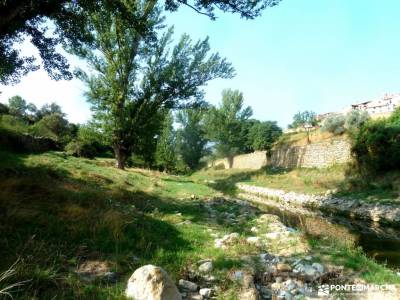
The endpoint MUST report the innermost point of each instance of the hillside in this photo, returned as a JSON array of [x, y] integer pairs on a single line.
[[66, 220]]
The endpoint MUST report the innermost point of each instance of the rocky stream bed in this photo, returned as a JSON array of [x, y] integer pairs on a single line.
[[282, 268]]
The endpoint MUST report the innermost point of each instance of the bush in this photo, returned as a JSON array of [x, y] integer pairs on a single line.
[[13, 123], [80, 149], [21, 142], [355, 119], [334, 124], [376, 146]]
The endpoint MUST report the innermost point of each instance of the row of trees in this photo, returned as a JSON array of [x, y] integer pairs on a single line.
[[48, 121], [137, 77], [174, 141], [222, 131]]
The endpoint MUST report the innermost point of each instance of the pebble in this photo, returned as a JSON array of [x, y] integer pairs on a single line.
[[283, 267]]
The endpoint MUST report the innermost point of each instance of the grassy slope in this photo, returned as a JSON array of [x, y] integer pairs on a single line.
[[57, 211], [384, 189]]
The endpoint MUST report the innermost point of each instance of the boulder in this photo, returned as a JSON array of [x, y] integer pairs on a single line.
[[206, 267], [151, 283], [188, 285]]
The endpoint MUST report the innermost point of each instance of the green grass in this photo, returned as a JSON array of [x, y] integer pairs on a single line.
[[53, 205], [312, 181], [382, 189], [58, 211], [333, 251]]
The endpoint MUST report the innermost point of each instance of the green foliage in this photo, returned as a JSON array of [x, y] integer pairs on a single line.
[[88, 143], [227, 124], [53, 126], [4, 109], [17, 106], [334, 124], [48, 109], [301, 119], [137, 78], [191, 136], [14, 123], [350, 123], [376, 147], [70, 20], [355, 119], [81, 149], [166, 146], [262, 135]]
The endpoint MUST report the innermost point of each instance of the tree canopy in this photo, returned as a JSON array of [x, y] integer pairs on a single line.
[[191, 136], [262, 135], [69, 20], [226, 124]]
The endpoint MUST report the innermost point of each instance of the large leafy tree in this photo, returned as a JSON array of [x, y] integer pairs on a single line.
[[19, 107], [262, 135], [191, 136], [19, 18], [136, 75], [227, 124]]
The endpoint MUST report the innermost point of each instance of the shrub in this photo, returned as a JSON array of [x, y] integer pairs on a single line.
[[355, 119], [13, 123], [80, 149], [376, 147], [334, 124]]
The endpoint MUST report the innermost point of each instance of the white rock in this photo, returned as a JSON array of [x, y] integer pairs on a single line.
[[206, 267], [254, 229], [238, 275], [188, 285], [253, 240], [206, 292], [151, 283], [272, 235]]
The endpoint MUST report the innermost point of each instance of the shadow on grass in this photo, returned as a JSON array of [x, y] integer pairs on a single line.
[[51, 221], [227, 184]]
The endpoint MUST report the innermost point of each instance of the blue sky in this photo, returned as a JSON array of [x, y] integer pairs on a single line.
[[317, 55]]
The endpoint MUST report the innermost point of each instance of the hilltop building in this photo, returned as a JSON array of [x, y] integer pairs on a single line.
[[376, 108]]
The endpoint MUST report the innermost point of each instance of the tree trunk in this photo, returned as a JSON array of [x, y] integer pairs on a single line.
[[120, 157], [230, 161]]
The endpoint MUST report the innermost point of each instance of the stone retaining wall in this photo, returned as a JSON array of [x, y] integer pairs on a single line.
[[255, 161], [315, 155]]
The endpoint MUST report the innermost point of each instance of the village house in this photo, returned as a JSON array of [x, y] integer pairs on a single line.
[[376, 108], [381, 107]]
